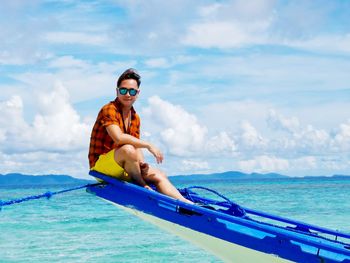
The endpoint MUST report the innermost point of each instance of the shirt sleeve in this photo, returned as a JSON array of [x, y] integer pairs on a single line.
[[109, 115]]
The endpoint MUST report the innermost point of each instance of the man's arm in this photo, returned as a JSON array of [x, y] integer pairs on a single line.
[[121, 138], [140, 155]]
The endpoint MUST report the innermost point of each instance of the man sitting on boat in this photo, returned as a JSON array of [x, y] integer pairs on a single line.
[[115, 144]]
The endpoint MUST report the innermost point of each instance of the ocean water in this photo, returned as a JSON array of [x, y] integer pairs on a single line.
[[78, 227]]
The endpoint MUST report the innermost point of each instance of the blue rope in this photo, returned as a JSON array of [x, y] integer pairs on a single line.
[[235, 209], [48, 195], [210, 190]]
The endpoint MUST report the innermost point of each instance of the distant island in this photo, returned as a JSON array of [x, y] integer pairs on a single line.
[[250, 176], [17, 179], [234, 175]]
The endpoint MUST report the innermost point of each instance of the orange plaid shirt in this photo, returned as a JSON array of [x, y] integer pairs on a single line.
[[100, 141]]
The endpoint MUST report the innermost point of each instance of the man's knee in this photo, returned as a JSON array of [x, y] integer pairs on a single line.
[[156, 176], [127, 152], [162, 176]]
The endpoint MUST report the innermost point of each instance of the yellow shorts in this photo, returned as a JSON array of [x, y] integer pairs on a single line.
[[107, 165]]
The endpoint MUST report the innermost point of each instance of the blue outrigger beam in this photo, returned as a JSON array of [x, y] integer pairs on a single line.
[[229, 231]]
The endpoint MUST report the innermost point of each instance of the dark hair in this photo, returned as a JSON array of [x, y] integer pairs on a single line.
[[129, 74]]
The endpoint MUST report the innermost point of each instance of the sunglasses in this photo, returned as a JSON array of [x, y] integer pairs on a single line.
[[124, 91]]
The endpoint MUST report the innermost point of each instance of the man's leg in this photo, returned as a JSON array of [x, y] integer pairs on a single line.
[[163, 184], [127, 157]]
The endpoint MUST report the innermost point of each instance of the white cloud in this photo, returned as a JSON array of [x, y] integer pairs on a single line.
[[42, 162], [169, 62], [76, 38], [264, 163], [233, 24], [238, 10], [2, 136], [68, 62], [341, 141], [57, 132], [209, 10], [228, 114], [322, 43], [57, 127], [217, 34], [55, 142], [220, 144], [293, 166], [6, 58], [296, 138], [336, 164], [194, 166], [304, 163], [157, 63], [12, 125], [250, 137], [230, 24], [283, 145], [277, 121], [83, 79], [181, 132], [308, 90], [312, 140]]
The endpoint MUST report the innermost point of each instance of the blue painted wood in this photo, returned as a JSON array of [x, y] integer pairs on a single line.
[[301, 243]]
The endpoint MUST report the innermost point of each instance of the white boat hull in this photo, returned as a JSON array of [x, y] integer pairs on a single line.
[[226, 251]]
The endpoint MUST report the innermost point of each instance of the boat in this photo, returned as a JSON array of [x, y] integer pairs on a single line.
[[227, 230]]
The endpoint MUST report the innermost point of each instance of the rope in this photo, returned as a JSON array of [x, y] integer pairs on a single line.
[[235, 209], [210, 190], [47, 194]]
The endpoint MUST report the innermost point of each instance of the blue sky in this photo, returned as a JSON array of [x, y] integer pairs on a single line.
[[253, 86]]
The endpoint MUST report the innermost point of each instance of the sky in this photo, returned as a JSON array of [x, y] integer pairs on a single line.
[[252, 86]]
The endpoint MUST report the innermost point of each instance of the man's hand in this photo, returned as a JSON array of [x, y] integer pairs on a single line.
[[148, 187], [156, 153], [144, 168]]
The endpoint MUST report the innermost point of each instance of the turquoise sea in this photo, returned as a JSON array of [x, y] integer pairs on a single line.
[[78, 227]]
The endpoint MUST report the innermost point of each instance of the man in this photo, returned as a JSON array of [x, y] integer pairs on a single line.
[[115, 144]]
